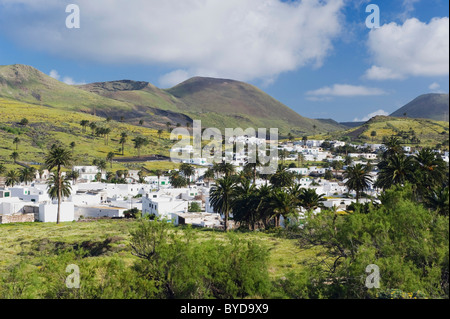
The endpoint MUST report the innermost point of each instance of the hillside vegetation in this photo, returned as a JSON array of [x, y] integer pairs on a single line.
[[216, 102], [412, 132], [47, 126]]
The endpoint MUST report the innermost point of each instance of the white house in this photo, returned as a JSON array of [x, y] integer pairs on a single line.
[[87, 173], [163, 206], [11, 206]]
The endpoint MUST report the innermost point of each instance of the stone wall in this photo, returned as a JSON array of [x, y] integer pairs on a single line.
[[21, 218], [32, 210]]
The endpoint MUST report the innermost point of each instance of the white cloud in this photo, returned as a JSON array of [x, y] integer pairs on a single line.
[[368, 117], [346, 90], [239, 39], [408, 7], [434, 86], [54, 74], [66, 79], [412, 49], [173, 78], [319, 99], [380, 73]]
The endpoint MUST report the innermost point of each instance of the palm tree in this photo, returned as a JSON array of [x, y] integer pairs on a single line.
[[309, 199], [245, 203], [14, 156], [58, 157], [16, 141], [209, 175], [12, 178], [110, 157], [84, 124], [336, 165], [40, 172], [187, 171], [98, 177], [304, 139], [216, 168], [59, 189], [393, 147], [282, 178], [158, 173], [141, 175], [27, 174], [282, 204], [177, 180], [139, 142], [109, 176], [74, 175], [358, 179], [101, 165], [348, 160], [221, 197], [227, 169], [123, 140], [397, 169], [438, 200], [93, 127], [72, 146], [103, 131], [257, 163], [263, 210], [283, 154], [430, 169]]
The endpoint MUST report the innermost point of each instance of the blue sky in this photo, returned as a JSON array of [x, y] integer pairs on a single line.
[[317, 57]]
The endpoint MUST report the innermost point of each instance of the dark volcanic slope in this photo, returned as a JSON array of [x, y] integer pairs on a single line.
[[427, 106]]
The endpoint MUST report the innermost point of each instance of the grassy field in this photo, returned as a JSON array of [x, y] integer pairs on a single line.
[[18, 240]]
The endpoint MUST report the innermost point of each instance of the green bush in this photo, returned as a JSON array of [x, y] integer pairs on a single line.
[[408, 243], [182, 267]]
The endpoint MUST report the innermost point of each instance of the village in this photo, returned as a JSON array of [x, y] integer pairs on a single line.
[[154, 196]]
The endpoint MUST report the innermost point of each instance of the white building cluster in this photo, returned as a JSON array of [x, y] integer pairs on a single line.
[[156, 198]]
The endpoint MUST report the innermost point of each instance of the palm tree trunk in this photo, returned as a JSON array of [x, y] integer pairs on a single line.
[[59, 196], [226, 220]]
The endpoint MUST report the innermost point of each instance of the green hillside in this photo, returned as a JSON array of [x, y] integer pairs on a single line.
[[427, 106], [412, 132], [25, 83], [47, 126], [216, 102]]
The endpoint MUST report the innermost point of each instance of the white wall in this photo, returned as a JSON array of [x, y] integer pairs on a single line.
[[100, 211], [48, 212], [9, 207]]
